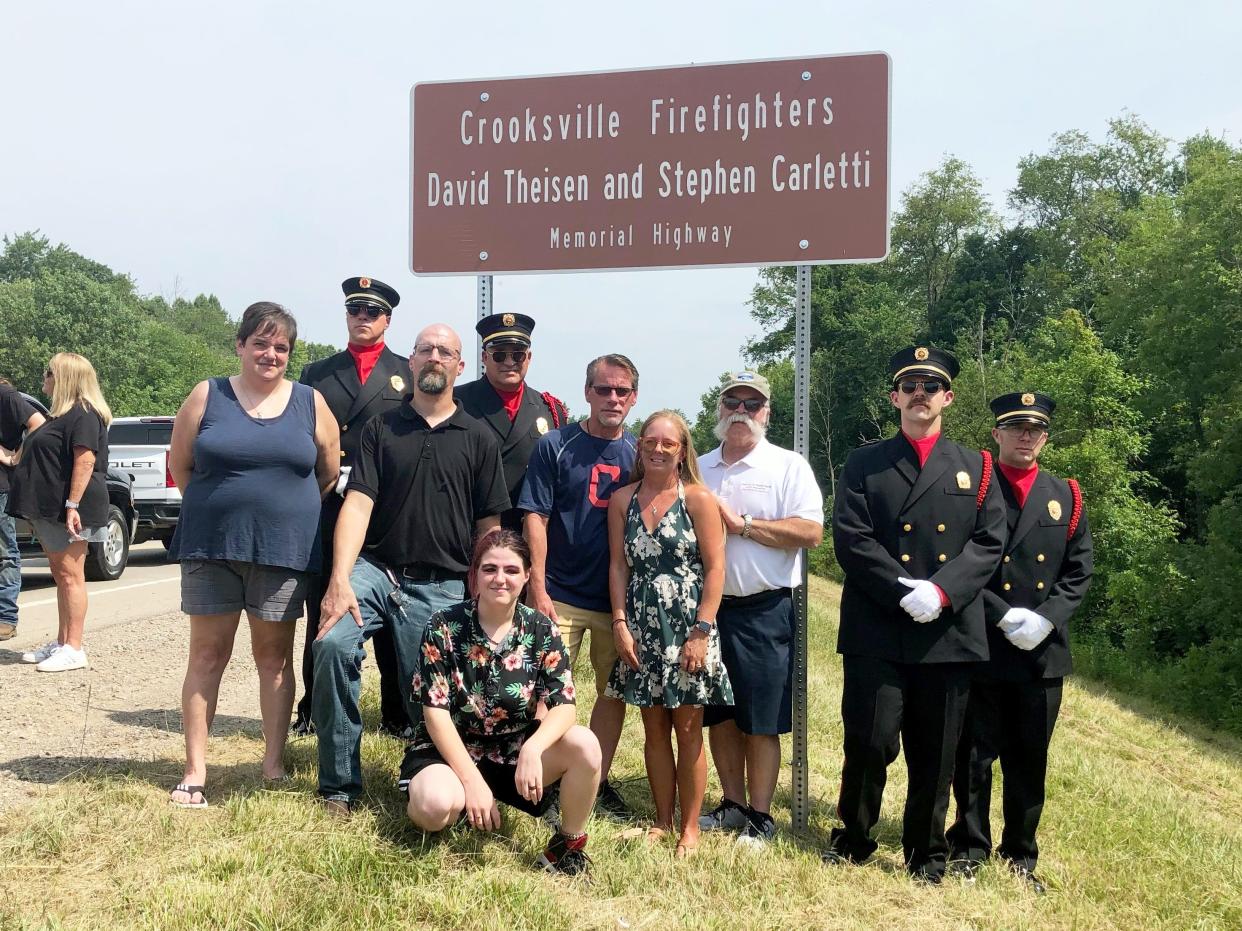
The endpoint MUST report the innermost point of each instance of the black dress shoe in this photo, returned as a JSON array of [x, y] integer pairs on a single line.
[[1036, 884], [924, 878], [963, 869]]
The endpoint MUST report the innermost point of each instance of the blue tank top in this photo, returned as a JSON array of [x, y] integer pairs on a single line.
[[253, 496]]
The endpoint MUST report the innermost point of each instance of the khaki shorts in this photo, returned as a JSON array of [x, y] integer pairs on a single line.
[[574, 622]]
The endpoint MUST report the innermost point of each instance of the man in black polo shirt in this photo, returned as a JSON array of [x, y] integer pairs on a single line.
[[427, 477]]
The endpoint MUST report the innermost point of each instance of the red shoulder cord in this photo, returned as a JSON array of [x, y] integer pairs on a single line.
[[985, 479], [553, 403], [1076, 513]]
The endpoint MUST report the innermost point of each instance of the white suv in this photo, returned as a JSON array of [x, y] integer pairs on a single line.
[[139, 446]]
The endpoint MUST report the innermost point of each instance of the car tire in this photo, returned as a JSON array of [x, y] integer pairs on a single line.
[[106, 561]]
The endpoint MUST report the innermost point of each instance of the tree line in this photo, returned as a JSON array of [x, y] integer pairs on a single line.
[[1114, 284]]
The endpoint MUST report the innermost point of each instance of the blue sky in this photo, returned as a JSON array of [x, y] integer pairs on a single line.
[[259, 150]]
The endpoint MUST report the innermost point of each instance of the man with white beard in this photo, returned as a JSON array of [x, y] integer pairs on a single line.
[[772, 509], [427, 477]]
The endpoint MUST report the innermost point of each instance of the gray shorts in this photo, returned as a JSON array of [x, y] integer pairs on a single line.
[[54, 536], [225, 586]]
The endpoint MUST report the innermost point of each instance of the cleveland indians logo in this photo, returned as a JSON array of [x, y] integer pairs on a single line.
[[614, 476]]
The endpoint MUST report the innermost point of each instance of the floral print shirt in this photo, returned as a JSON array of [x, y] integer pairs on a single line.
[[491, 691]]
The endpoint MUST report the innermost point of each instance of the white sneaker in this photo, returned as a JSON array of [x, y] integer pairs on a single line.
[[42, 653], [63, 660]]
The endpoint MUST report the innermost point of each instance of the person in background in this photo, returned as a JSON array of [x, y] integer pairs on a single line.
[[59, 485], [666, 540], [772, 509], [1016, 696], [17, 416], [517, 414], [489, 669], [253, 456], [366, 379], [572, 473]]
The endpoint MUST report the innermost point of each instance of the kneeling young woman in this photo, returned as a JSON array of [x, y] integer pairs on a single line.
[[488, 668]]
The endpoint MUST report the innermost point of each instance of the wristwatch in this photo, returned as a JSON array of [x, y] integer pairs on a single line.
[[704, 627], [71, 504], [747, 522]]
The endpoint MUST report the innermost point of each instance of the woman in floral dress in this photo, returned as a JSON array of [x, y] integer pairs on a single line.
[[486, 666], [666, 576]]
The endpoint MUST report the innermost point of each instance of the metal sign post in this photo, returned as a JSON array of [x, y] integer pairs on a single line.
[[484, 299], [802, 446]]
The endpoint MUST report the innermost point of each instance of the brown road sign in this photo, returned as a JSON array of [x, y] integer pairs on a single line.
[[752, 163]]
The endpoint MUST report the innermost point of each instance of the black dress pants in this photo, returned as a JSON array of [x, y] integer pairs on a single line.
[[392, 705], [1012, 722], [885, 705]]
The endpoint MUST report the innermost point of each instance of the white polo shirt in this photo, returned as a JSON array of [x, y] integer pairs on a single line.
[[768, 483]]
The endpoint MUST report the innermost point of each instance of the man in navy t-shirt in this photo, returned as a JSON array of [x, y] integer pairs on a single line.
[[571, 475]]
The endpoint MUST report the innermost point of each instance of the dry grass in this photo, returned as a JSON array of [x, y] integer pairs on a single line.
[[1141, 831]]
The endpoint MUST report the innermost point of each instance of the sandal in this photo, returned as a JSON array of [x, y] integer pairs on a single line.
[[191, 791], [684, 851]]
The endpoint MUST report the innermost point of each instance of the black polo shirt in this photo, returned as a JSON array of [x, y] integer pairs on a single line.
[[430, 486], [40, 483], [15, 412]]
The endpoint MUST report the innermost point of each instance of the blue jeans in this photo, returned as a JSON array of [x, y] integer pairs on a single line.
[[10, 565], [404, 610]]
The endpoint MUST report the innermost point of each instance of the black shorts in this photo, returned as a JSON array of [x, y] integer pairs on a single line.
[[498, 776], [756, 641]]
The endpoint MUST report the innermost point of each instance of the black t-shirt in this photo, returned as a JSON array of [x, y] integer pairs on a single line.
[[429, 486], [15, 411], [41, 480]]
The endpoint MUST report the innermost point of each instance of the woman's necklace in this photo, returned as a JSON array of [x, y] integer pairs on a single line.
[[246, 399], [655, 500]]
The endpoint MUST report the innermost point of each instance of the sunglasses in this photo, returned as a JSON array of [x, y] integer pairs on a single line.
[[931, 386], [501, 356], [372, 312], [752, 405], [653, 444], [604, 391]]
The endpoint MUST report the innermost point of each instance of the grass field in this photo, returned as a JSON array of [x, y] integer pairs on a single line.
[[1143, 829]]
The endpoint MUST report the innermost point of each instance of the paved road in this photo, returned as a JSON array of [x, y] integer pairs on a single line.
[[149, 586]]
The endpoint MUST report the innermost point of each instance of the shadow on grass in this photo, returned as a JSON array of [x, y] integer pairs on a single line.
[[168, 720]]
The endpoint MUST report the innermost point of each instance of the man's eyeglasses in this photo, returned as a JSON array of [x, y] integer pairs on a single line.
[[653, 444], [930, 386], [428, 350], [1022, 429], [752, 405], [501, 356], [604, 391], [370, 310]]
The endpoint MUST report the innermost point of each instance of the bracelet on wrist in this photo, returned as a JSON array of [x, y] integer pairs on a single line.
[[618, 620]]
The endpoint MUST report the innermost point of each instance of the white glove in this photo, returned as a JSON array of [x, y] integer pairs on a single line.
[[342, 481], [1024, 628], [923, 602]]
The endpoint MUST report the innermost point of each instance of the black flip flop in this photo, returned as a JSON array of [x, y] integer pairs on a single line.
[[190, 791]]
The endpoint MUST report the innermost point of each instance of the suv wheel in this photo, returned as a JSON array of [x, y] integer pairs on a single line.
[[106, 561]]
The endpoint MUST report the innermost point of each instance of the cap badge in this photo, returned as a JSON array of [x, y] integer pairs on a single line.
[[963, 480], [541, 424], [397, 382], [508, 320], [364, 282], [1028, 400], [1054, 509], [921, 354], [744, 376]]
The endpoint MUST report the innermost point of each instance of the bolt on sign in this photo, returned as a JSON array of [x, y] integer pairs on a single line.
[[751, 163]]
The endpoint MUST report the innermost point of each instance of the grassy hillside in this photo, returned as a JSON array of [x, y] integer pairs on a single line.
[[1142, 830]]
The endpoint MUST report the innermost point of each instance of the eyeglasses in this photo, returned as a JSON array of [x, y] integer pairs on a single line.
[[653, 444], [501, 356], [730, 403], [604, 391], [372, 312], [428, 349], [931, 386], [1022, 429]]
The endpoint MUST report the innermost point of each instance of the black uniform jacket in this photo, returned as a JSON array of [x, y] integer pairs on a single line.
[[892, 520], [1042, 570], [353, 403], [517, 438]]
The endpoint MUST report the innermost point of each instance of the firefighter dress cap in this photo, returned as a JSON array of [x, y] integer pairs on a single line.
[[1023, 407], [372, 291], [924, 360], [505, 328]]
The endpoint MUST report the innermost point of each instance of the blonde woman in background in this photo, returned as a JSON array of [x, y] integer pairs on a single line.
[[59, 485]]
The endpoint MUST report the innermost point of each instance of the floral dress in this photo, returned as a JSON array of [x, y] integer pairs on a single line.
[[662, 601], [491, 690]]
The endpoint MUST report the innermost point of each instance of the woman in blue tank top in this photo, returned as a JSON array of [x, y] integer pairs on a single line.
[[253, 456]]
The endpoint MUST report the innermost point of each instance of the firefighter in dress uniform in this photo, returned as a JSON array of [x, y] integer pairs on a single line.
[[1015, 697], [919, 529], [366, 379], [518, 413]]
